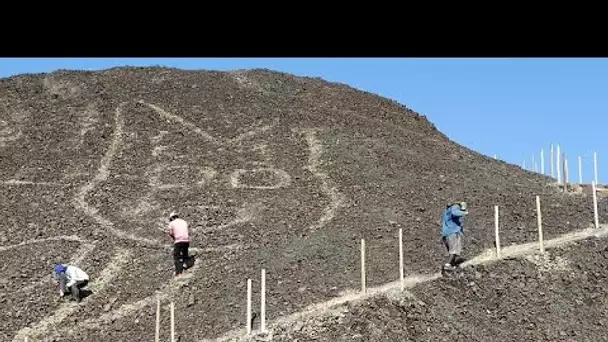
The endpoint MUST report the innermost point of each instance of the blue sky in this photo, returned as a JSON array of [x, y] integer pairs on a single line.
[[509, 107]]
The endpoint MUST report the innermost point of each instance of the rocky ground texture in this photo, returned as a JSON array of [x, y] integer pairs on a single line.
[[271, 171], [559, 296]]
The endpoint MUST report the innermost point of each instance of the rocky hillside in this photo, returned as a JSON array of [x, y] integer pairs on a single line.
[[561, 296], [271, 171]]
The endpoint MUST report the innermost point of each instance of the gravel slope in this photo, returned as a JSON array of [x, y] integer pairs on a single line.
[[271, 170], [560, 296]]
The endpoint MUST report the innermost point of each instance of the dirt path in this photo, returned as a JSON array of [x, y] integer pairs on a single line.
[[485, 257]]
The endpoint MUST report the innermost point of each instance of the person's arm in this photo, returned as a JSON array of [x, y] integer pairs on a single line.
[[62, 283], [171, 233]]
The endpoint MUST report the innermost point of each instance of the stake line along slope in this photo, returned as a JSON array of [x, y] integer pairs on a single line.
[[271, 170]]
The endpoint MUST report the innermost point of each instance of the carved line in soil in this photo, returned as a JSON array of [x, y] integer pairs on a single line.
[[147, 202], [123, 256], [489, 256], [218, 141], [284, 179], [336, 199], [165, 293], [72, 238], [97, 285], [76, 259], [243, 215], [169, 289], [101, 176], [88, 119], [10, 134], [85, 248], [20, 182]]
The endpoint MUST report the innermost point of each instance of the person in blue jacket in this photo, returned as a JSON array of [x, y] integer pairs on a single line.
[[452, 233]]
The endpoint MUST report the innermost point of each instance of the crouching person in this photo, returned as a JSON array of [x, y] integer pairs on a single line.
[[72, 279]]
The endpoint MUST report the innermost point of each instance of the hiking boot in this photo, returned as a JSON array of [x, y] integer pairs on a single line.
[[447, 268]]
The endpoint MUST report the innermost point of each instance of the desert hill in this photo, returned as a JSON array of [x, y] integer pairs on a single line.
[[560, 296], [271, 171]]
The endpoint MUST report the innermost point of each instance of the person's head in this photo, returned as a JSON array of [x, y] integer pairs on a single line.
[[462, 205], [173, 216], [59, 268]]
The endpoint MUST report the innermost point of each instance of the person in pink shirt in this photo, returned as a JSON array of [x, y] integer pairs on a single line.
[[178, 231]]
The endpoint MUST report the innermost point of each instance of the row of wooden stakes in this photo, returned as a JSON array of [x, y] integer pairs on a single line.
[[401, 263], [363, 272]]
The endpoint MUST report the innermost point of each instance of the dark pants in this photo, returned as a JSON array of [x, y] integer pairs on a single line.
[[180, 255], [75, 289], [453, 244]]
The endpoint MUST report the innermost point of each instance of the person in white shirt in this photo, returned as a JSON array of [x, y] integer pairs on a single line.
[[71, 278]]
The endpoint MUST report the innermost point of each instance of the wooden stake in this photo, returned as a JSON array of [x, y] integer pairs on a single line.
[[172, 322], [496, 231], [566, 180], [542, 161], [595, 167], [157, 331], [539, 220], [559, 176], [596, 219], [401, 275], [263, 303], [363, 287], [551, 160], [580, 170], [248, 306]]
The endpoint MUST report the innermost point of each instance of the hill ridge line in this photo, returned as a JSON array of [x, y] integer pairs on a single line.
[[488, 256], [269, 164]]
